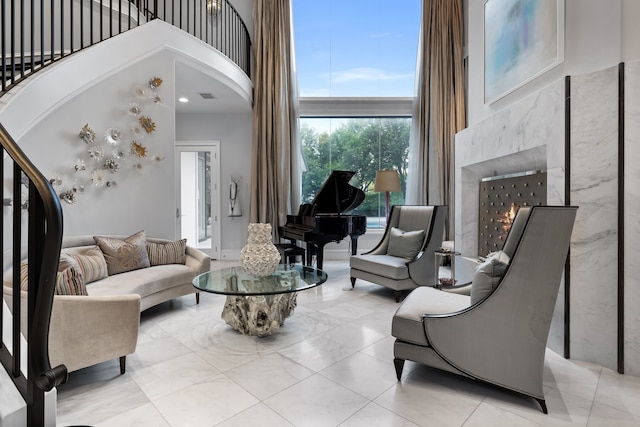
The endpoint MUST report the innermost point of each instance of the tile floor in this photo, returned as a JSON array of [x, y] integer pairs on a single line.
[[329, 365]]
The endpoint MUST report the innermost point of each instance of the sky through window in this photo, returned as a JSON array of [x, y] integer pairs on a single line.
[[356, 48]]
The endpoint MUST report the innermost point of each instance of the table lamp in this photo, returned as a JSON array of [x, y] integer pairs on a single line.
[[387, 180]]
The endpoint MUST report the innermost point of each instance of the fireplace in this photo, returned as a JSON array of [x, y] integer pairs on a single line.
[[500, 198]]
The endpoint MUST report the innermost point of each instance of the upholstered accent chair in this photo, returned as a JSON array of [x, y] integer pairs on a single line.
[[403, 259], [501, 338]]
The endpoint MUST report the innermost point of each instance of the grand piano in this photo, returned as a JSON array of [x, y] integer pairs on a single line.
[[329, 223]]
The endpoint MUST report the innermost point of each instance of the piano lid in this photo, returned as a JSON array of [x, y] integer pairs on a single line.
[[337, 195]]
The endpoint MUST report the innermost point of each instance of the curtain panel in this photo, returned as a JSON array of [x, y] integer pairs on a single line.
[[439, 105], [275, 181]]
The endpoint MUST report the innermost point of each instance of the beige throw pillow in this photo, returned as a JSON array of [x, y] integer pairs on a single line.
[[488, 275], [124, 255], [405, 244]]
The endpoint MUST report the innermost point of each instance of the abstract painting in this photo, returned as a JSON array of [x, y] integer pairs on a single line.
[[522, 39]]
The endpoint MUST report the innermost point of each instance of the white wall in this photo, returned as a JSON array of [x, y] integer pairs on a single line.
[[234, 131], [593, 41], [54, 146]]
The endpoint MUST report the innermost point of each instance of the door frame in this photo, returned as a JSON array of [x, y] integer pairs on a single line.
[[214, 147]]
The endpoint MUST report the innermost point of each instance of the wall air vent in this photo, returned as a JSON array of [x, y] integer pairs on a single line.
[[207, 95]]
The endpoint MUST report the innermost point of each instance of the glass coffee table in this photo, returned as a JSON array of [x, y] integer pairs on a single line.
[[259, 305]]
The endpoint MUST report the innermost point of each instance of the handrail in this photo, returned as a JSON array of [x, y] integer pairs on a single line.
[[37, 33], [44, 239]]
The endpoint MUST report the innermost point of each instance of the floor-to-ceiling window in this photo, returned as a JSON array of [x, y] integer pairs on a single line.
[[356, 64]]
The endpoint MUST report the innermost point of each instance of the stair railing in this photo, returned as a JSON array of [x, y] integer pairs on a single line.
[[37, 33], [43, 239]]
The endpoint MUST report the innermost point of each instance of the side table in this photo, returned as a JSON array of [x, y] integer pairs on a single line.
[[440, 256]]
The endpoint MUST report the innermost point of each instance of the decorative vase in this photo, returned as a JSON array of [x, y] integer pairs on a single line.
[[260, 256]]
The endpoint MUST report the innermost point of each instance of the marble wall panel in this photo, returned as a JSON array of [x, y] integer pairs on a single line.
[[632, 219], [594, 188], [528, 135]]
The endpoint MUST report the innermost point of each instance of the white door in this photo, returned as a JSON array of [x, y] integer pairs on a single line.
[[197, 189]]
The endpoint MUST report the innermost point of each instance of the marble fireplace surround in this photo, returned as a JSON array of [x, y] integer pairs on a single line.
[[583, 117], [526, 136]]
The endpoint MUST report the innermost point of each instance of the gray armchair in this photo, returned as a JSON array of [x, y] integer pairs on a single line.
[[403, 259], [501, 339]]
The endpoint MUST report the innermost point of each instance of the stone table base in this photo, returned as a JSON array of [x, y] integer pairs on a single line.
[[258, 315]]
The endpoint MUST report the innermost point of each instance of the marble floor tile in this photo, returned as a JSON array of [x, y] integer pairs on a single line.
[[331, 364], [206, 403], [374, 415], [363, 374], [268, 375], [299, 404]]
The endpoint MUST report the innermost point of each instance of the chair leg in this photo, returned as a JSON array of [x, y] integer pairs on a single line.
[[123, 364], [197, 298], [543, 406], [399, 364], [353, 282], [397, 295]]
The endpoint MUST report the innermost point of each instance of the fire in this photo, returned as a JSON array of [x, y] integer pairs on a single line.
[[508, 217]]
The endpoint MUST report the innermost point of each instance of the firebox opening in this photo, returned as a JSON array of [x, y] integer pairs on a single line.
[[500, 198]]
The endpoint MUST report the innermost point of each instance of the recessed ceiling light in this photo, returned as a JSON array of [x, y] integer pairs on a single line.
[[183, 99]]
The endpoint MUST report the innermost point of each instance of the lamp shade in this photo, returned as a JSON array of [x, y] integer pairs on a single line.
[[387, 180]]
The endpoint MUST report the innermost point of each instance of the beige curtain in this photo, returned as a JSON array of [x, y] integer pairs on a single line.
[[275, 186], [439, 105]]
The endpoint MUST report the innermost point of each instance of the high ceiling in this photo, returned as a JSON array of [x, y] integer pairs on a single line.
[[190, 83]]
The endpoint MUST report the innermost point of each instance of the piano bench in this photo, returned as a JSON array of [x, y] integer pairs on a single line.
[[290, 252]]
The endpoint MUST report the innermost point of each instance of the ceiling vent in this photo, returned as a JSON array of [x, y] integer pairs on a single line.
[[207, 96]]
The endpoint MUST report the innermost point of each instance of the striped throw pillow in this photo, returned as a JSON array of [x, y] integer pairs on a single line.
[[167, 253], [91, 263], [69, 281]]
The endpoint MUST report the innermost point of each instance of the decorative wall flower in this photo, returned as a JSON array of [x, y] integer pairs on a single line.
[[140, 92], [96, 153], [155, 83], [139, 166], [138, 149], [147, 124], [68, 196], [157, 158], [80, 166], [112, 136], [158, 100], [87, 134], [137, 131], [134, 109], [98, 177], [118, 153], [111, 165]]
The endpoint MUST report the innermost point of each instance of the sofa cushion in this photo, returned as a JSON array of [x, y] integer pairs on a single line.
[[69, 280], [91, 262], [488, 275], [167, 253], [405, 244], [144, 282], [124, 255], [381, 265], [408, 325]]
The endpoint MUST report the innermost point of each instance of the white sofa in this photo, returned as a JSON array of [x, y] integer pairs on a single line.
[[86, 330]]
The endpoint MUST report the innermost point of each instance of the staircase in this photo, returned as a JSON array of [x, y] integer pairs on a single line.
[[27, 381]]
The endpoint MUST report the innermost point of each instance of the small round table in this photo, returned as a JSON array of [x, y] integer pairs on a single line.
[[259, 305], [440, 256]]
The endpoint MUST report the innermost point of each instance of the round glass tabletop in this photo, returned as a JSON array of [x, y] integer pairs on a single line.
[[236, 281]]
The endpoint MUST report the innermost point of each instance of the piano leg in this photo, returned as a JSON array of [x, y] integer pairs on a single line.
[[354, 245]]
